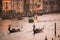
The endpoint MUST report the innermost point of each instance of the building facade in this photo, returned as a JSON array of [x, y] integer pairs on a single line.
[[51, 5], [36, 5], [18, 5], [0, 5], [22, 5], [31, 6], [6, 5]]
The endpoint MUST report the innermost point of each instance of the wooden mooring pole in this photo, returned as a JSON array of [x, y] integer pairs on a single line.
[[55, 29]]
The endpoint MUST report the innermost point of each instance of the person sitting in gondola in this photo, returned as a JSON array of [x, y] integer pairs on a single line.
[[13, 29]]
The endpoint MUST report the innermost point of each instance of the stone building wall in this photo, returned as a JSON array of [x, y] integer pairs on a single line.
[[51, 5]]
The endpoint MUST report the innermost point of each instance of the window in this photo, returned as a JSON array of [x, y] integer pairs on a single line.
[[38, 6], [38, 0]]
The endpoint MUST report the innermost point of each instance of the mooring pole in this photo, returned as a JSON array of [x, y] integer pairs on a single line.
[[55, 29]]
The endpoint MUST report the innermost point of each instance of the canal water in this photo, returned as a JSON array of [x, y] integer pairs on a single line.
[[26, 33]]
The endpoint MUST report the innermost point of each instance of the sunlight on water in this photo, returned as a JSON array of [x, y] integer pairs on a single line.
[[26, 33]]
